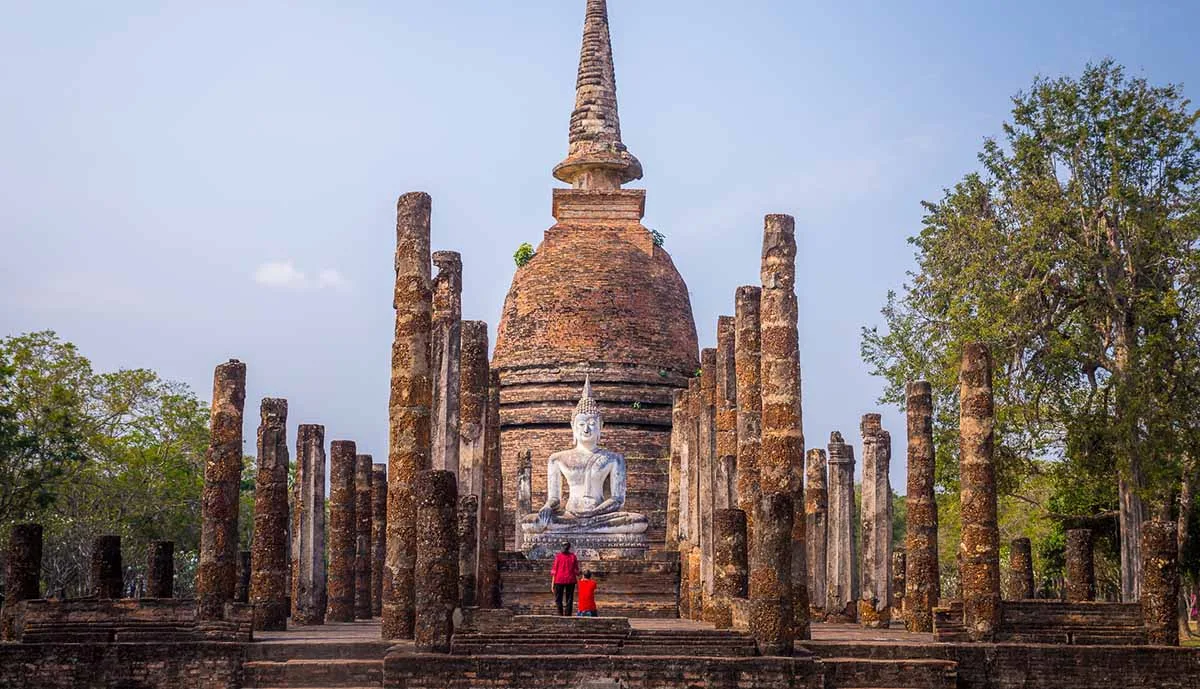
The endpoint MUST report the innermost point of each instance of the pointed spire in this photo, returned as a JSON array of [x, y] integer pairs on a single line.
[[597, 159], [587, 405]]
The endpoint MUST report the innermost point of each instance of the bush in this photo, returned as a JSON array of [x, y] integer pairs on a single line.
[[523, 255]]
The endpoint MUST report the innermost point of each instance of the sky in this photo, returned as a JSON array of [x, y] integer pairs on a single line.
[[182, 183]]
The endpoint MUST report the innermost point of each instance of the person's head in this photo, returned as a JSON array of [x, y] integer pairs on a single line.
[[587, 574], [585, 423], [566, 546]]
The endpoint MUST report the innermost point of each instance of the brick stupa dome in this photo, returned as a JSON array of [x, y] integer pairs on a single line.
[[599, 299]]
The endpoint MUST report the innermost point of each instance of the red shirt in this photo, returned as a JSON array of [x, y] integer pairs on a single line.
[[565, 569], [587, 595]]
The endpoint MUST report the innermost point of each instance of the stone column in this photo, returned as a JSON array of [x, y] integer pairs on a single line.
[[979, 549], [1080, 570], [437, 560], [923, 579], [899, 560], [1160, 582], [771, 615], [241, 592], [706, 423], [447, 347], [22, 571], [729, 565], [160, 571], [816, 523], [678, 416], [473, 390], [107, 575], [1020, 561], [524, 494], [725, 474], [308, 527], [343, 531], [363, 512], [681, 421], [876, 587], [782, 456], [747, 362], [468, 542], [695, 459], [409, 408], [378, 535], [491, 516], [841, 574], [695, 585], [216, 576], [268, 580]]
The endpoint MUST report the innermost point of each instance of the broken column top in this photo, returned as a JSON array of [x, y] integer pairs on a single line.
[[274, 409], [779, 252], [840, 452], [871, 424], [448, 261]]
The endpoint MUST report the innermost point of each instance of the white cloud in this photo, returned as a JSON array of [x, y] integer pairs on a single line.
[[285, 275]]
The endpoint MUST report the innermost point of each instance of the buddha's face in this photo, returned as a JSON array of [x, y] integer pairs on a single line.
[[586, 428]]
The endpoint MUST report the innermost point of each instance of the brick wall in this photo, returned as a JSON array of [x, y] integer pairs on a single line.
[[121, 666]]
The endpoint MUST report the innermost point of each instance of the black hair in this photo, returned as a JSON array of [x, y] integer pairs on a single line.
[[587, 574]]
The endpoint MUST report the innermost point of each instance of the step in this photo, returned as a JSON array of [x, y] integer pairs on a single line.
[[308, 674], [861, 673], [281, 651]]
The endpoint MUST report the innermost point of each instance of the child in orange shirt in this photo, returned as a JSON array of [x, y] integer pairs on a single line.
[[587, 595]]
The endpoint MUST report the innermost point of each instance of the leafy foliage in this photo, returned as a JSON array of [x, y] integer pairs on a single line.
[[523, 255]]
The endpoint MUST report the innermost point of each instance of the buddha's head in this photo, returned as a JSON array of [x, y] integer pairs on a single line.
[[586, 424]]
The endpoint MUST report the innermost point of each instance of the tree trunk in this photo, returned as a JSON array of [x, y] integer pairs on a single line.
[[1130, 478], [1186, 499]]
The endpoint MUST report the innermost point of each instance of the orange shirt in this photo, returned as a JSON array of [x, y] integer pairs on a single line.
[[587, 595]]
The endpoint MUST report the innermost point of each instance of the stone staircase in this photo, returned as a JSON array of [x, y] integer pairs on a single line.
[[333, 665], [854, 665]]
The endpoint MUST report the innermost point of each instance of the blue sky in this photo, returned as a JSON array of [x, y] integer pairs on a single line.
[[188, 182]]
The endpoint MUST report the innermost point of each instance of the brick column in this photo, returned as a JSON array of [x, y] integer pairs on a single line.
[[771, 600], [268, 580], [468, 542], [922, 579], [107, 578], [216, 576], [1020, 561], [447, 347], [378, 535], [876, 589], [695, 459], [363, 513], [979, 550], [695, 585], [1080, 570], [841, 574], [437, 560], [308, 528], [409, 408], [1160, 582], [816, 523], [747, 365], [491, 515], [241, 592], [343, 531], [160, 570], [729, 565], [678, 414], [472, 406], [782, 458], [725, 468], [706, 423], [22, 571]]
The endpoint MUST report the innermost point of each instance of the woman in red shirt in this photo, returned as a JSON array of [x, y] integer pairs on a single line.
[[563, 575]]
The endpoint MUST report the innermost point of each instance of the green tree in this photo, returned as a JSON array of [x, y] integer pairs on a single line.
[[1073, 252]]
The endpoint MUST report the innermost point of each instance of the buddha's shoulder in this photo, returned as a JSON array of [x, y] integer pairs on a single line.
[[609, 456]]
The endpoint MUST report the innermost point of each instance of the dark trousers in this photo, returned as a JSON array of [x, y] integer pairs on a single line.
[[564, 598]]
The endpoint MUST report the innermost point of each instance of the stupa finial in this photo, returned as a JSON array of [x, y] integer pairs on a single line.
[[597, 159]]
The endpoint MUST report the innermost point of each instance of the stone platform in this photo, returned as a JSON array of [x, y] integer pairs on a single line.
[[625, 588]]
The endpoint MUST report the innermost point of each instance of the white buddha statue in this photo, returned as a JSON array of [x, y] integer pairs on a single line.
[[588, 470]]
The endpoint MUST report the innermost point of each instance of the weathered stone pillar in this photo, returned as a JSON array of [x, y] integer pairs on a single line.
[[729, 565], [782, 457], [876, 588], [747, 365], [447, 348], [771, 616], [816, 523], [308, 527], [1080, 569], [1160, 582], [437, 560], [107, 575], [980, 547], [491, 516], [363, 512], [706, 422], [678, 416], [841, 575], [1020, 561], [268, 580], [378, 535], [524, 494], [725, 474], [160, 571], [343, 531], [695, 585], [922, 580], [695, 459], [22, 571], [241, 592], [473, 396], [899, 564], [216, 577], [409, 408], [468, 543]]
